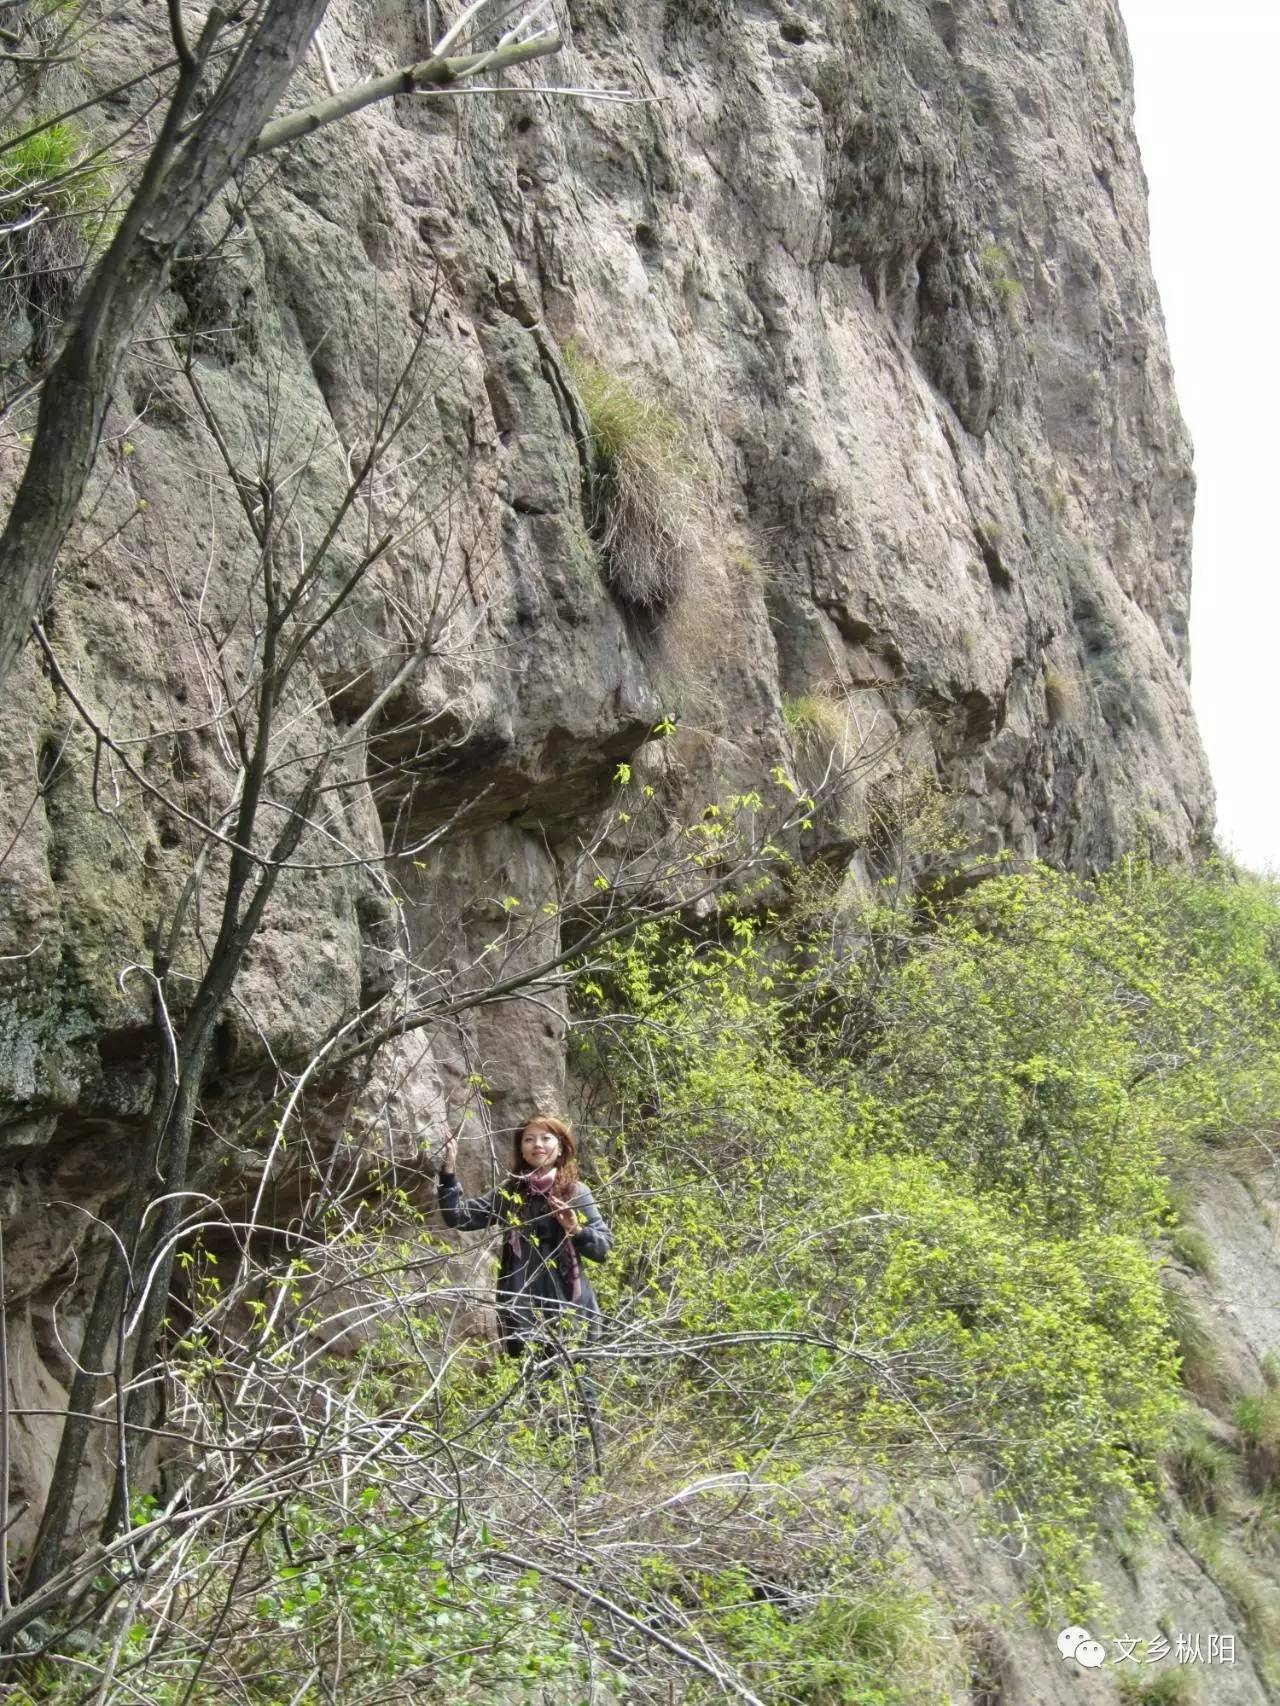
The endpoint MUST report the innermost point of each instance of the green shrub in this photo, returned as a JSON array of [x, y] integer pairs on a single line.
[[400, 1606], [888, 1189], [1005, 1049], [909, 1193], [645, 508], [980, 1321], [831, 1646]]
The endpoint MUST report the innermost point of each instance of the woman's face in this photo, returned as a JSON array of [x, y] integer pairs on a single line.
[[540, 1147]]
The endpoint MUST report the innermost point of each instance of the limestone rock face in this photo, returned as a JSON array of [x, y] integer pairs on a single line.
[[886, 262]]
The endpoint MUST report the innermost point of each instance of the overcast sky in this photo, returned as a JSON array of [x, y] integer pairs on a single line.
[[1208, 118]]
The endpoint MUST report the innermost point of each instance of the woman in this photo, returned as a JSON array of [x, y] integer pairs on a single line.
[[550, 1223]]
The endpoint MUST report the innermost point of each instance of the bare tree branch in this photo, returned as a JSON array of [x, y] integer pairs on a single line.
[[427, 76]]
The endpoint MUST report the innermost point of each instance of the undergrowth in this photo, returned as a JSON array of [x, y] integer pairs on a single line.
[[887, 1183], [1200, 1469], [1169, 1688], [1200, 1363]]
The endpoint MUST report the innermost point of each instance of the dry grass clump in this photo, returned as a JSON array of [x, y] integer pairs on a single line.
[[814, 720], [692, 646], [1061, 696], [645, 507]]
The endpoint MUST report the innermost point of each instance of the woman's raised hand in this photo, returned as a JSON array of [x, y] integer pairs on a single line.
[[563, 1213], [449, 1157]]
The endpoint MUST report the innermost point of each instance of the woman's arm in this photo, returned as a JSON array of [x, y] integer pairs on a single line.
[[466, 1214], [593, 1238]]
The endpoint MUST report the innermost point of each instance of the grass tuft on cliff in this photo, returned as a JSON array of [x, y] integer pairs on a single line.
[[814, 719], [645, 508], [53, 196], [1061, 697]]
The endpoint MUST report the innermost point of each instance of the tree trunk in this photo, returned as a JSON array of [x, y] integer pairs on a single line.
[[180, 183]]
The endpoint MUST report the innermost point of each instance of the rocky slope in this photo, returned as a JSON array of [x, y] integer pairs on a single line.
[[887, 265], [1190, 1607]]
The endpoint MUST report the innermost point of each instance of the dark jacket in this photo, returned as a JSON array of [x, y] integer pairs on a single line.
[[537, 1266]]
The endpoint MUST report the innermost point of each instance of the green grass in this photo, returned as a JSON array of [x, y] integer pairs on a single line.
[[1258, 1418], [55, 169], [811, 716], [1193, 1249], [54, 192], [30, 160], [749, 566], [995, 264], [836, 1645], [1201, 1361], [645, 509], [1199, 1469], [1255, 1598]]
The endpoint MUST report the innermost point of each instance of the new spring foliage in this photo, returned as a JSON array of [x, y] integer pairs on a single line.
[[928, 1141]]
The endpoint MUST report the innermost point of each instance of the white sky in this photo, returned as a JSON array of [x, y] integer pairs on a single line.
[[1207, 79]]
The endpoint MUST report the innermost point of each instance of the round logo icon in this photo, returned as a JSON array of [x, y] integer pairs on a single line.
[[1070, 1639]]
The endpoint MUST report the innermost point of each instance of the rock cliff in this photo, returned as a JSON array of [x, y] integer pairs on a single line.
[[886, 264]]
